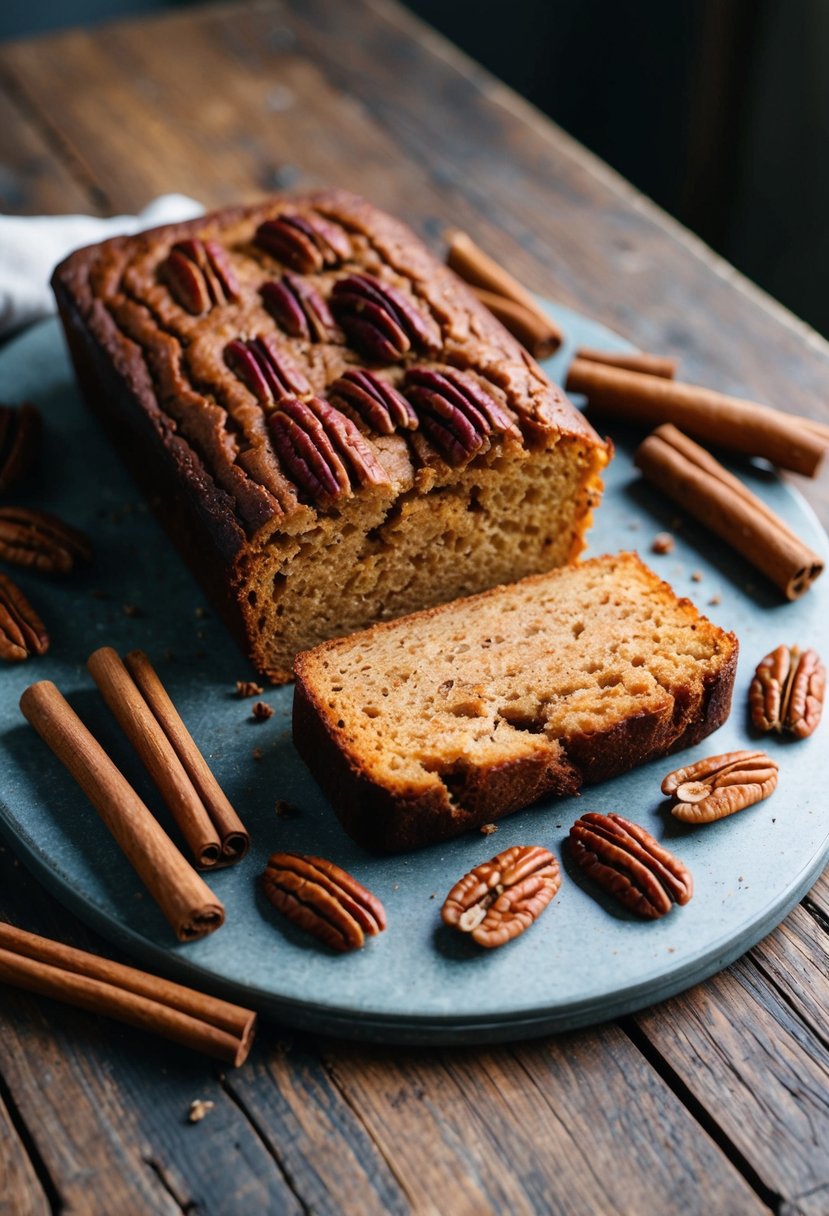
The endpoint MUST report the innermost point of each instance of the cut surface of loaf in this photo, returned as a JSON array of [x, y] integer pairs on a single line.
[[426, 727], [329, 424]]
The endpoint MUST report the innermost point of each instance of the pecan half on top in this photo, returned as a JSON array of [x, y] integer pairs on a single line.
[[265, 369], [40, 541], [720, 785], [20, 431], [21, 630], [456, 413], [380, 321], [633, 867], [787, 691], [323, 899], [375, 402], [501, 898], [298, 308], [321, 449], [199, 275], [306, 243]]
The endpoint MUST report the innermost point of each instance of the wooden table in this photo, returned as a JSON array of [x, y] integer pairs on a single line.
[[715, 1102]]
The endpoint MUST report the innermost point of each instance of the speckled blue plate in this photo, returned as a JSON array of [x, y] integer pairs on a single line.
[[586, 960]]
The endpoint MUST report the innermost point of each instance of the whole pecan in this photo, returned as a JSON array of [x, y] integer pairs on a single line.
[[41, 541], [321, 449], [374, 401], [298, 308], [21, 630], [199, 275], [307, 243], [267, 371], [20, 431], [720, 785], [626, 860], [501, 898], [380, 321], [323, 899], [455, 412], [787, 691]]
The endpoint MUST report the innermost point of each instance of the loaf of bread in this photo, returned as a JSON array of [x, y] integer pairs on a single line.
[[423, 728], [329, 424]]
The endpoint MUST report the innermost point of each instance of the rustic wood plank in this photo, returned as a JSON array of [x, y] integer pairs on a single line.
[[757, 1069], [20, 1192], [33, 177], [106, 1106], [508, 1129], [796, 959], [819, 894]]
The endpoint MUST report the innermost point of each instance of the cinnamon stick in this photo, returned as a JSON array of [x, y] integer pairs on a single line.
[[233, 833], [728, 422], [103, 986], [691, 477], [184, 898], [478, 269], [535, 331], [632, 361], [139, 724]]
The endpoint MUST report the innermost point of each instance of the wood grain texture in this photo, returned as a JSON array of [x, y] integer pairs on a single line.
[[20, 1191], [546, 1127], [33, 179], [758, 1069]]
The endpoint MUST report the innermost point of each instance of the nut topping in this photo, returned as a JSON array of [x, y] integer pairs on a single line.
[[40, 541], [20, 430], [787, 692], [21, 630], [373, 401], [306, 243], [322, 450], [268, 372], [456, 413], [381, 322], [323, 899], [501, 898], [199, 275], [297, 306], [720, 785], [633, 867]]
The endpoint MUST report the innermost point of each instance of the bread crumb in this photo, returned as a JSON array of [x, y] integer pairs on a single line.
[[247, 688], [257, 753], [261, 711], [282, 808], [199, 1107], [696, 576], [488, 828], [715, 599], [131, 610], [663, 542], [200, 612]]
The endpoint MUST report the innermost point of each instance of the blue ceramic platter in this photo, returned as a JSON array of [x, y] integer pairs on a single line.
[[585, 960]]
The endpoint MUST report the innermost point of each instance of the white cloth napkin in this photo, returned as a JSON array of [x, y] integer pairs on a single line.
[[31, 247]]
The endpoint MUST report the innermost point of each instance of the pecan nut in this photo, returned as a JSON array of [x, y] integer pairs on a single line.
[[373, 401], [787, 692], [630, 864], [298, 308], [20, 431], [380, 321], [501, 898], [322, 450], [306, 243], [456, 413], [40, 541], [720, 785], [21, 630], [264, 369], [199, 275], [323, 899]]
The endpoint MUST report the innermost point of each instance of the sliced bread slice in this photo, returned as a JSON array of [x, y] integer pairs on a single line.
[[425, 727]]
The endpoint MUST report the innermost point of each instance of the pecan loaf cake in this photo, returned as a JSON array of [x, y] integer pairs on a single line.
[[331, 427], [423, 728]]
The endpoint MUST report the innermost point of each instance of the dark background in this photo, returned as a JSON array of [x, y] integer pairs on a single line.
[[717, 109]]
